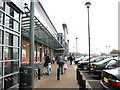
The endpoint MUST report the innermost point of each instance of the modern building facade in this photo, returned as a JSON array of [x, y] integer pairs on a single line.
[[10, 43], [15, 39]]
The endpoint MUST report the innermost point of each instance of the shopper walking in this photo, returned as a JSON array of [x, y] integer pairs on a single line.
[[60, 62], [71, 59], [47, 64]]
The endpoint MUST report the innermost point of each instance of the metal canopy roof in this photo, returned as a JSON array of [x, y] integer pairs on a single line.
[[42, 35]]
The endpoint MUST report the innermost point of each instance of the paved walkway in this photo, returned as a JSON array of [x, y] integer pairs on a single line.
[[68, 79]]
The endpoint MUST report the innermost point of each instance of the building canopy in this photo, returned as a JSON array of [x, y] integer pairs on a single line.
[[42, 35]]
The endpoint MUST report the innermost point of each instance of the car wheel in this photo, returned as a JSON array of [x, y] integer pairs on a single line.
[[85, 67]]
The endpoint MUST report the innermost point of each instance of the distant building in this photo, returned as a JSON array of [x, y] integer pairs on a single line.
[[65, 40]]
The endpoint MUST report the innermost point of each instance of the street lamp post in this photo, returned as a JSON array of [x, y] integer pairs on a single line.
[[108, 48], [88, 5], [76, 46]]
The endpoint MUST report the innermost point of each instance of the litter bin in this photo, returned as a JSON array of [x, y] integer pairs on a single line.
[[25, 78]]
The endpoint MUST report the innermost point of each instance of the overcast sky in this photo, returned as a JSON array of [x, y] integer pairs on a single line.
[[103, 22]]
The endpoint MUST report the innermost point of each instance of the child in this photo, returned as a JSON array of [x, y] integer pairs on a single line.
[[65, 67]]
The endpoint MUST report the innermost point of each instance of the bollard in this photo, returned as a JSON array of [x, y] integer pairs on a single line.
[[39, 72], [80, 79], [83, 84], [58, 74], [77, 73]]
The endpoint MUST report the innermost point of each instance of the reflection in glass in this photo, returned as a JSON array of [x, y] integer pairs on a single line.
[[1, 18], [1, 66], [1, 4], [16, 15], [9, 22], [0, 37], [1, 84], [0, 53], [11, 67], [15, 79], [11, 53], [16, 26], [8, 38], [15, 53], [15, 41]]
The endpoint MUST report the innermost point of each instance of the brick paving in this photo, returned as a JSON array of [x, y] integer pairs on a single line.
[[68, 79]]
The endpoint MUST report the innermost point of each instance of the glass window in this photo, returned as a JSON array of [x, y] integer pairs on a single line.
[[8, 38], [8, 82], [16, 26], [1, 37], [1, 66], [112, 63], [16, 16], [7, 53], [1, 4], [15, 41], [11, 67], [1, 84], [15, 79], [0, 53], [11, 39], [1, 18], [15, 53], [7, 9], [9, 22], [11, 53]]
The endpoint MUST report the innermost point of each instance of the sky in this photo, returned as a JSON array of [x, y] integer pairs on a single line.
[[103, 23]]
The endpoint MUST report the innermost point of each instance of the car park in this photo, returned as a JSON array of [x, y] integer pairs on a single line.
[[85, 64], [110, 79], [97, 67], [77, 59]]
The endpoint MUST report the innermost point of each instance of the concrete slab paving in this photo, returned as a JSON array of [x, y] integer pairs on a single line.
[[68, 79]]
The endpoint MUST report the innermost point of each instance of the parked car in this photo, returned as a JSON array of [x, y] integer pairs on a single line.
[[77, 59], [97, 67], [85, 64], [110, 79]]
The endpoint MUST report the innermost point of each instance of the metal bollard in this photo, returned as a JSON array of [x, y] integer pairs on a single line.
[[58, 74], [80, 79], [77, 73], [39, 72], [82, 85]]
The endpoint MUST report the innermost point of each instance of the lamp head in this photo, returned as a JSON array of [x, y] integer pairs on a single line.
[[88, 4]]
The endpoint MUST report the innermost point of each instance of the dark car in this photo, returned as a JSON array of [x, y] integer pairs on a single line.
[[85, 64], [110, 79], [99, 66]]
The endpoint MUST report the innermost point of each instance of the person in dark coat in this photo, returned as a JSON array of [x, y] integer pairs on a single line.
[[60, 62], [47, 64], [71, 59]]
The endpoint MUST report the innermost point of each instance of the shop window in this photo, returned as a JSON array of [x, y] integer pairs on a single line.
[[15, 79], [15, 53], [16, 41], [12, 12], [0, 53], [11, 53], [1, 66], [16, 16], [8, 82], [8, 38], [1, 4], [9, 22], [11, 67], [16, 26], [11, 39], [1, 34], [1, 18], [1, 84]]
